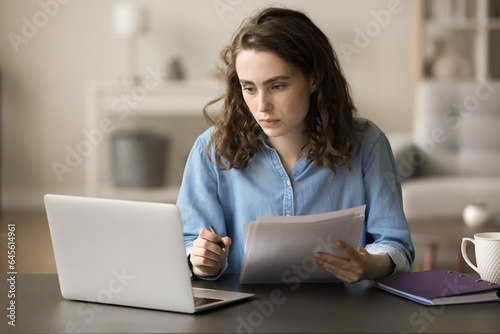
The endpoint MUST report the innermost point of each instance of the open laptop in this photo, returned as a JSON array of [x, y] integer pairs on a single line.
[[125, 253]]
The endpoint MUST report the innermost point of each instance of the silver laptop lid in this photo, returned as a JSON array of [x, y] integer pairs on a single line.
[[120, 252]]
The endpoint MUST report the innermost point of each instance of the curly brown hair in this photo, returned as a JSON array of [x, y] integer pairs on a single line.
[[295, 38]]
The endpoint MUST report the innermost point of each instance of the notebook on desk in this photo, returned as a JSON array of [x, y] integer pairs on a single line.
[[125, 253], [440, 287]]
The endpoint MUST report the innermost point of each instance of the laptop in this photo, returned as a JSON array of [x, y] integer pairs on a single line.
[[125, 253]]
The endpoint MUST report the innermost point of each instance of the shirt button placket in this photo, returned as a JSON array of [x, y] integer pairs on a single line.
[[288, 199]]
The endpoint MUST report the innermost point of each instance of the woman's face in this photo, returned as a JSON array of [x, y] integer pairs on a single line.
[[276, 93]]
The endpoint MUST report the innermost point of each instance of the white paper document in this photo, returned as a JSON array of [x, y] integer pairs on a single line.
[[279, 249]]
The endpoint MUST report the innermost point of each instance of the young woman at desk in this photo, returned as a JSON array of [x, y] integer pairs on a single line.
[[287, 143]]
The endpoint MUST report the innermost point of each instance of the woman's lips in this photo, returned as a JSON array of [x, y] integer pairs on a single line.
[[269, 122]]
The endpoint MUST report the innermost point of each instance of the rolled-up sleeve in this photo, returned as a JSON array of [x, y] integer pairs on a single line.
[[387, 230]]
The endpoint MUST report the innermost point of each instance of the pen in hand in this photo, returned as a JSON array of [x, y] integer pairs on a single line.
[[221, 244]]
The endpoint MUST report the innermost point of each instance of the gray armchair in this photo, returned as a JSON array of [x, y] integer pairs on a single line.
[[453, 156]]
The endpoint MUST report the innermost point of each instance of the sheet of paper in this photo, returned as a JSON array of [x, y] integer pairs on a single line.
[[356, 211], [280, 249]]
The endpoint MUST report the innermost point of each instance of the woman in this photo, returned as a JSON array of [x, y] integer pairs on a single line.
[[287, 143]]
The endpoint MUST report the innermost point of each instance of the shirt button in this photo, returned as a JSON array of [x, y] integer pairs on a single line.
[[288, 183]]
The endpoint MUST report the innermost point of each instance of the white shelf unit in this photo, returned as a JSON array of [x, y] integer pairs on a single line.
[[172, 108], [475, 24]]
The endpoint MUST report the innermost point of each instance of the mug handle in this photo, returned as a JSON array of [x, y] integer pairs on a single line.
[[464, 252]]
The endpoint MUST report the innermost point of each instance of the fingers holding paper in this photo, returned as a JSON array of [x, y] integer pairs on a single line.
[[350, 269], [207, 255], [358, 264]]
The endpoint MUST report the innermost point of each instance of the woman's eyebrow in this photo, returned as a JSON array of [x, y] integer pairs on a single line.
[[268, 81]]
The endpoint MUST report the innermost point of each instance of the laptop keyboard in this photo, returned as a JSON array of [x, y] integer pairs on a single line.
[[200, 301]]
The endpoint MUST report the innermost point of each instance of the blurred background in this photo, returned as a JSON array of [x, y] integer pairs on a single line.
[[45, 75], [94, 94]]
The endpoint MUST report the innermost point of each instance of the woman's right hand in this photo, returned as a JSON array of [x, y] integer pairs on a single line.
[[207, 256]]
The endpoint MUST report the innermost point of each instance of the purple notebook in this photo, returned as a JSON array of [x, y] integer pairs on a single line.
[[440, 287]]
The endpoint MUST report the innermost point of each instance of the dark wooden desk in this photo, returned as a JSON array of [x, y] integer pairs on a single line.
[[447, 233], [301, 308]]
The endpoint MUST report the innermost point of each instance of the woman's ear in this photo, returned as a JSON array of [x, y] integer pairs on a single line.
[[314, 87]]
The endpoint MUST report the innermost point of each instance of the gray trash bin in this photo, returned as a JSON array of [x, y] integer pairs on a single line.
[[139, 159]]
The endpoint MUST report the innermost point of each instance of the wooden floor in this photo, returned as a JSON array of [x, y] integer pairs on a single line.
[[33, 248]]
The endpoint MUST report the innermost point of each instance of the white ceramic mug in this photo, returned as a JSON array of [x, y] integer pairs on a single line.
[[487, 255]]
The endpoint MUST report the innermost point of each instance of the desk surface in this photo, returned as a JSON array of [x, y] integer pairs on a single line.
[[300, 308]]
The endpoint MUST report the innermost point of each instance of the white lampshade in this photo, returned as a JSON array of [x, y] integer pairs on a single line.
[[127, 19]]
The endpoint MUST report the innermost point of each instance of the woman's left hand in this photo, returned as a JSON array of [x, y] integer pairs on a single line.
[[358, 264]]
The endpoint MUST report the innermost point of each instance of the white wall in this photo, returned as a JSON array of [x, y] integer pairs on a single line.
[[43, 83]]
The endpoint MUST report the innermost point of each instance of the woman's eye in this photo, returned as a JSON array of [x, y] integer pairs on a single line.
[[249, 89]]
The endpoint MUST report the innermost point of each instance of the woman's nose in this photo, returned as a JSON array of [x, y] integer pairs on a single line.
[[264, 104]]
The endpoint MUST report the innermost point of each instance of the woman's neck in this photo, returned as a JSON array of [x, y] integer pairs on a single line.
[[290, 150]]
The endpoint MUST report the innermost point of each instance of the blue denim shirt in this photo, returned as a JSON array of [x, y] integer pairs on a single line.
[[227, 199]]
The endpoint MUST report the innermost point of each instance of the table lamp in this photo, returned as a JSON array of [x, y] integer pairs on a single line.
[[128, 21]]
